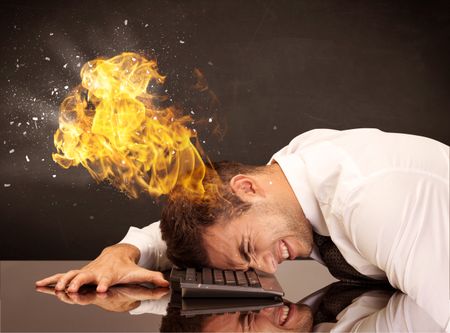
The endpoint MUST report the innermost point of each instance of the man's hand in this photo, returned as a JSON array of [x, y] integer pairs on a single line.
[[116, 264], [116, 299]]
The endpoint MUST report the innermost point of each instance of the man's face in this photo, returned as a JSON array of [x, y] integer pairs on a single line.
[[261, 238], [288, 318]]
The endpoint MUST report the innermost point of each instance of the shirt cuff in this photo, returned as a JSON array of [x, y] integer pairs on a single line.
[[136, 237], [151, 246], [158, 307]]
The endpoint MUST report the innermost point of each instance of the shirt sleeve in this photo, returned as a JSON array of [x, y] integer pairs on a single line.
[[151, 246], [399, 222]]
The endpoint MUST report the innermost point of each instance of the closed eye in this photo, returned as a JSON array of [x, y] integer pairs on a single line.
[[245, 252]]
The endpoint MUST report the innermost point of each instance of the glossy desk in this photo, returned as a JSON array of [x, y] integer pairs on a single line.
[[25, 310]]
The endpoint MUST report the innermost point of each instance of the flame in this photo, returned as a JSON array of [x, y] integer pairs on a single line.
[[111, 126]]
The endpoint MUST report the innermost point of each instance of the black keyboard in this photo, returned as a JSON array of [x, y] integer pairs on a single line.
[[209, 282]]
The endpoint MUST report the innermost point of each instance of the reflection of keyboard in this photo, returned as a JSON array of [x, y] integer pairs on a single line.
[[209, 282]]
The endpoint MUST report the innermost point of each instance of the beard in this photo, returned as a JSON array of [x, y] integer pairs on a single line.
[[290, 221]]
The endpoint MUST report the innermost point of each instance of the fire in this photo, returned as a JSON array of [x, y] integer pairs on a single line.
[[111, 126]]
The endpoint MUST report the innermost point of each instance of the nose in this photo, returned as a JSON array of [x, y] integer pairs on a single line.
[[265, 262]]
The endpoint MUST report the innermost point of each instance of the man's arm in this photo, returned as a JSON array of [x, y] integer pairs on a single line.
[[119, 264]]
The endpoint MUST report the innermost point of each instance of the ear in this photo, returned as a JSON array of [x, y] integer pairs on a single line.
[[246, 187]]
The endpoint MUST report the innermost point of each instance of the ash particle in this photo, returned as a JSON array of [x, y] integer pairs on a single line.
[[125, 22], [11, 151], [7, 185], [27, 158], [47, 58]]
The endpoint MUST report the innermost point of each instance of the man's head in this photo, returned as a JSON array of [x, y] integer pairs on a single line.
[[250, 219]]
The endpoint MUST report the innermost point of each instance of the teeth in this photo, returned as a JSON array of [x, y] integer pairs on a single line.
[[284, 251], [285, 314]]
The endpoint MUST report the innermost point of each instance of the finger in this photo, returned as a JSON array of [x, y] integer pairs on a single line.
[[65, 279], [80, 280], [144, 275], [49, 280], [143, 294], [158, 293], [81, 299], [46, 290], [62, 296], [103, 284]]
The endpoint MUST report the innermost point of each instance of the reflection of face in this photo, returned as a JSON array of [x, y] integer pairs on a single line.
[[274, 319], [261, 238]]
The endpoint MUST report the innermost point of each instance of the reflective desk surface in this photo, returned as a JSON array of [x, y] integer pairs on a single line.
[[140, 309]]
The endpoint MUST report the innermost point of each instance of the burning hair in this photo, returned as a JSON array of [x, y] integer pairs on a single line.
[[185, 219]]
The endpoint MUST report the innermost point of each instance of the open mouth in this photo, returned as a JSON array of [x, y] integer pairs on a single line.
[[285, 314], [284, 250]]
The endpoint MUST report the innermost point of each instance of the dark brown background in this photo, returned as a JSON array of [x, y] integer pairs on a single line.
[[278, 68]]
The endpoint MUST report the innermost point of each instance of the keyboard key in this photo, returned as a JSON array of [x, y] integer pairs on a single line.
[[253, 279], [241, 278], [218, 276], [229, 278], [207, 276], [190, 275]]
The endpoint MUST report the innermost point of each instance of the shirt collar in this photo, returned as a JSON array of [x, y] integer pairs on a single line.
[[295, 171]]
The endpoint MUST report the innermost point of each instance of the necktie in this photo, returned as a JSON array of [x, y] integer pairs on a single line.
[[337, 265]]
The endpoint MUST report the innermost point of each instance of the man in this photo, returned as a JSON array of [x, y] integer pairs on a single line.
[[375, 203]]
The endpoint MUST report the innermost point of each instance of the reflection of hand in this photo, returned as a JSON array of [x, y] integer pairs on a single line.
[[116, 264], [116, 299]]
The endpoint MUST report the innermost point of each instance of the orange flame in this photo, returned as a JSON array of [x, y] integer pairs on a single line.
[[111, 126]]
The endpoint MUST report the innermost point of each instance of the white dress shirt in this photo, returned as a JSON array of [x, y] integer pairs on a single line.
[[383, 198]]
